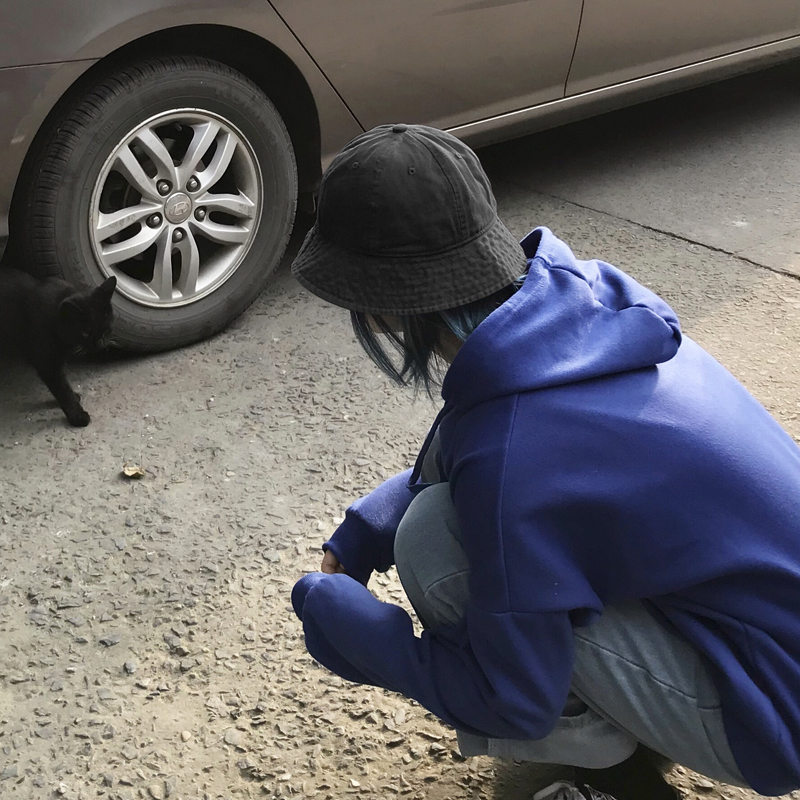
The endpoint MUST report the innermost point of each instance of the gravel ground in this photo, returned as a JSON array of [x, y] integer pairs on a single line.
[[147, 643]]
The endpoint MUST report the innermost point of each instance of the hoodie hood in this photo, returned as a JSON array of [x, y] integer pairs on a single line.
[[571, 321]]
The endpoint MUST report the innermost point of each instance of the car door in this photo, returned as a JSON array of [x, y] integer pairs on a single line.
[[440, 62], [625, 39]]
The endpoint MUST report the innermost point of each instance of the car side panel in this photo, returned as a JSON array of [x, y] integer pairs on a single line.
[[439, 62], [622, 40], [92, 29]]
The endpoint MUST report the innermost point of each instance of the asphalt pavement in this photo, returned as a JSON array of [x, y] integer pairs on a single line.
[[148, 646]]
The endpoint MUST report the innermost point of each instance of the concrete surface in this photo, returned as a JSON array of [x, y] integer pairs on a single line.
[[147, 646], [719, 165]]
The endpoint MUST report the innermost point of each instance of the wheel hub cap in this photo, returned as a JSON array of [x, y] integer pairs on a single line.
[[172, 250], [178, 208]]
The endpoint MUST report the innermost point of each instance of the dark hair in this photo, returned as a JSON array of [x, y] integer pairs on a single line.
[[419, 335]]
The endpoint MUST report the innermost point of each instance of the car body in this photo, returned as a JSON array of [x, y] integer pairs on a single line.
[[486, 70]]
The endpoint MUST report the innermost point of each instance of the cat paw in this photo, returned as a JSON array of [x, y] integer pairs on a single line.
[[79, 418]]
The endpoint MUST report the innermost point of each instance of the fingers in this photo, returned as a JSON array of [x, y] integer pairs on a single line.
[[331, 564]]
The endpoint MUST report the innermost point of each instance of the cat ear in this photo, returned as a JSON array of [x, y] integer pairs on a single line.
[[106, 289]]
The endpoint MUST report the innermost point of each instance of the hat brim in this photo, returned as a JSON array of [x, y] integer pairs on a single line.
[[406, 285]]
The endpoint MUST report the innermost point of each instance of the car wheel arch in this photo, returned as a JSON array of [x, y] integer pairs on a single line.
[[255, 57]]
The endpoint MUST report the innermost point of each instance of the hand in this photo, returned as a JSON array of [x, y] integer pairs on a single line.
[[331, 565]]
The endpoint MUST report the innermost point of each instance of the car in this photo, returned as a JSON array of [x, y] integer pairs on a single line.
[[170, 143]]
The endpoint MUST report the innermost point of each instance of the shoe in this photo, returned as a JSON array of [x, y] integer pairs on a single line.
[[637, 777], [566, 790]]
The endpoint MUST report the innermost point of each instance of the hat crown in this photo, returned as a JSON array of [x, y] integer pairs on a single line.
[[405, 190]]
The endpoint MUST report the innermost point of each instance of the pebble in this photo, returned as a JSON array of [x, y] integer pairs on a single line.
[[9, 772], [111, 639], [156, 791], [129, 667], [62, 788], [108, 779], [702, 784], [234, 737], [185, 736]]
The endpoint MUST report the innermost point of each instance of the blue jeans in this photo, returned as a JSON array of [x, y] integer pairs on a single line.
[[633, 679]]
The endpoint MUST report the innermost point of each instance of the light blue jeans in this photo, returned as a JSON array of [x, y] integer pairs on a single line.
[[633, 680]]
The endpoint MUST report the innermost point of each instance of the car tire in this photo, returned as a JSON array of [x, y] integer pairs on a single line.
[[206, 269]]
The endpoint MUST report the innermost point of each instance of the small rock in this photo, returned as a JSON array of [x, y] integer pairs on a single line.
[[62, 788], [105, 694], [111, 639], [129, 667], [156, 791], [144, 683], [57, 685], [235, 738], [164, 529], [702, 784], [108, 779], [129, 752], [188, 664], [9, 772], [185, 736], [354, 783], [400, 716]]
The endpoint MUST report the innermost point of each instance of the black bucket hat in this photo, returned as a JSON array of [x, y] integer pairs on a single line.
[[407, 224]]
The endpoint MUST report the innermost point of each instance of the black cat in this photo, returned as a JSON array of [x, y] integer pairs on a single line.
[[48, 320]]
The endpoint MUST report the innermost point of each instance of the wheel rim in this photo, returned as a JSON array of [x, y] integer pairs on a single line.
[[176, 207]]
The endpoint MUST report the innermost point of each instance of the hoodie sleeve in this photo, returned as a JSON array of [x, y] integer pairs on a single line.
[[503, 676], [505, 670], [365, 540]]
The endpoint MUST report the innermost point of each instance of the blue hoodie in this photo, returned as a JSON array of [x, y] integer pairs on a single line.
[[595, 456]]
